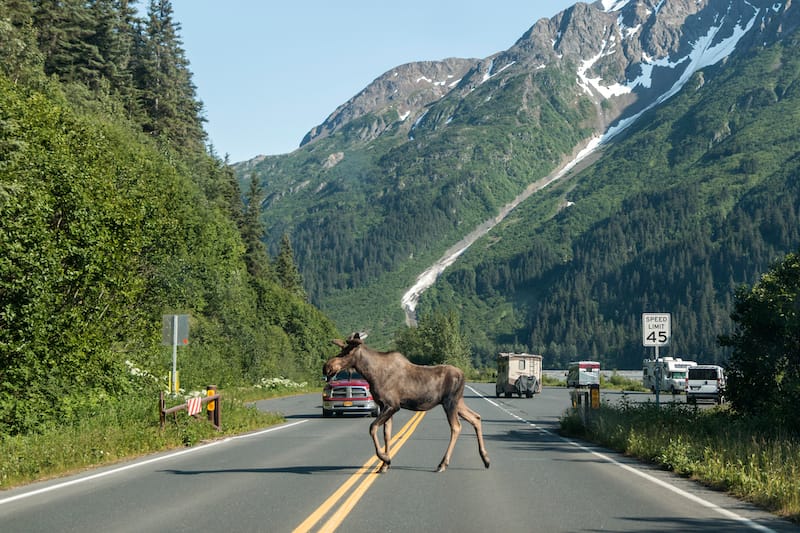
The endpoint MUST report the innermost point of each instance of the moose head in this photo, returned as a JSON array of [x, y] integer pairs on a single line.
[[345, 358]]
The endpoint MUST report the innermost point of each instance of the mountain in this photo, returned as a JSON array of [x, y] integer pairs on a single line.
[[401, 93], [668, 107]]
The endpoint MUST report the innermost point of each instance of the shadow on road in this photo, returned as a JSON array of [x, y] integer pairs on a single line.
[[657, 524], [300, 469]]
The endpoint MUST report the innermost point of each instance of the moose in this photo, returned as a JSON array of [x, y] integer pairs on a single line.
[[397, 383]]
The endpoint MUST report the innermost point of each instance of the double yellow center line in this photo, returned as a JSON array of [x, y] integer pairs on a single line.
[[367, 474]]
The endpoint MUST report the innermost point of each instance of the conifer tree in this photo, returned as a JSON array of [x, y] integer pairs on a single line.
[[65, 29], [113, 38], [288, 274], [168, 95], [252, 230], [22, 60]]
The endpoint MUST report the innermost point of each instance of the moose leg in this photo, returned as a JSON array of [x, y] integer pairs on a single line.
[[384, 419], [475, 419], [455, 431]]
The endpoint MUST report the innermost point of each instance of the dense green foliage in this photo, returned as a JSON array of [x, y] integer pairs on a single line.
[[113, 213], [766, 345], [435, 340]]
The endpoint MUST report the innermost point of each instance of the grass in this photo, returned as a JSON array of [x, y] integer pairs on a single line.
[[129, 429], [617, 382], [749, 459]]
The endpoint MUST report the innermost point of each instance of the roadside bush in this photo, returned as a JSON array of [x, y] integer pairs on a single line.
[[766, 346]]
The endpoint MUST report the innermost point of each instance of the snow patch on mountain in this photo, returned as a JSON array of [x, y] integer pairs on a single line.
[[614, 5], [704, 53], [586, 83]]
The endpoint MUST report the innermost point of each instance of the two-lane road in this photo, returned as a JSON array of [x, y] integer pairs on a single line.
[[316, 474]]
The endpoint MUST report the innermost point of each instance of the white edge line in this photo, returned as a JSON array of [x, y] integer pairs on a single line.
[[705, 503], [143, 463]]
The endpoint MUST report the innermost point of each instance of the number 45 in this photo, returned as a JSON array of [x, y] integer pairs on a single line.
[[659, 337]]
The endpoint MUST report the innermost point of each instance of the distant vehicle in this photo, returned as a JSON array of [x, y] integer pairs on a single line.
[[666, 374], [583, 373], [518, 373], [705, 382], [348, 392]]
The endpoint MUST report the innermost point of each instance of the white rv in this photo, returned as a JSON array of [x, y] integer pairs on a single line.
[[666, 374]]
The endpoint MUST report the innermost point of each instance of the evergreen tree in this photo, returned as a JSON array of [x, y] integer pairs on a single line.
[[168, 96], [65, 28], [21, 59], [113, 38], [288, 274], [252, 230]]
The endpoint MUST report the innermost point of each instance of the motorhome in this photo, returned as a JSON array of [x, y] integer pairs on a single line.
[[583, 374], [518, 373], [666, 374]]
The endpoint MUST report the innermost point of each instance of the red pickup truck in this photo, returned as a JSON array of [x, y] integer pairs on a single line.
[[348, 392]]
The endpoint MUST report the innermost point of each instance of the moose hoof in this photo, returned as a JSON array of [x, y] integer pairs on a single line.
[[486, 461], [441, 468], [384, 467]]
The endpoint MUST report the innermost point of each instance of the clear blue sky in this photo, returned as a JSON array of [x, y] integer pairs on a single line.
[[267, 72]]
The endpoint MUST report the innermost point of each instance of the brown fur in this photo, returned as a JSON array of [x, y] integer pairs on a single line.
[[397, 383]]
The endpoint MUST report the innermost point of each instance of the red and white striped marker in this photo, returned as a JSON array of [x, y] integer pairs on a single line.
[[194, 405]]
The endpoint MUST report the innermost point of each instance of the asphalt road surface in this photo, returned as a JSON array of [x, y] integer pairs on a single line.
[[317, 474]]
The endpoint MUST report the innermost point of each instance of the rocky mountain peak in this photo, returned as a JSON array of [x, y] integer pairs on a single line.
[[626, 54], [397, 95]]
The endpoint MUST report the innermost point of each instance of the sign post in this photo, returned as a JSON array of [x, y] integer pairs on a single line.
[[656, 332], [174, 331]]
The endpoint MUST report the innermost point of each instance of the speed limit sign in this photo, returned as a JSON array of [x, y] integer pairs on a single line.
[[656, 329]]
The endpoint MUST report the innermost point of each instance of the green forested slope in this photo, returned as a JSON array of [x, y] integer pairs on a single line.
[[701, 197], [698, 198], [364, 228]]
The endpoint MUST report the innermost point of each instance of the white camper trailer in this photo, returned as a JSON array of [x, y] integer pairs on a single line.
[[666, 374], [518, 373]]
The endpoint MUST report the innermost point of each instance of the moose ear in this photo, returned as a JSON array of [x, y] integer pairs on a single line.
[[339, 343], [357, 335]]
